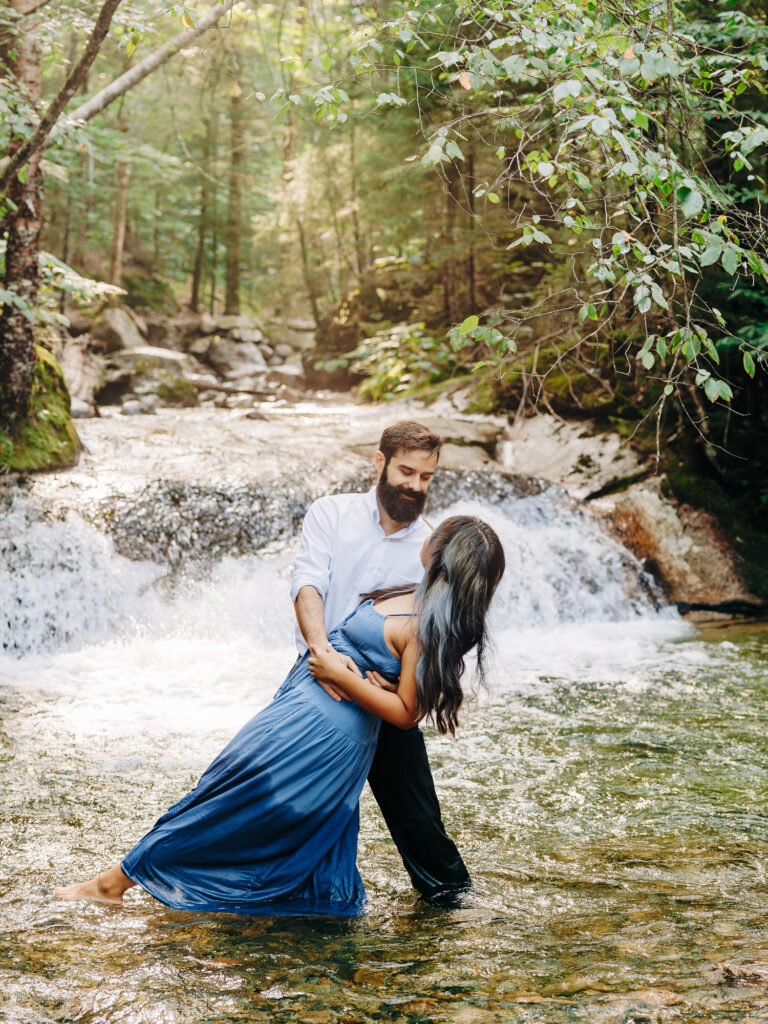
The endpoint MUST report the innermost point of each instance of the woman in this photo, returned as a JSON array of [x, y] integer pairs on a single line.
[[271, 827]]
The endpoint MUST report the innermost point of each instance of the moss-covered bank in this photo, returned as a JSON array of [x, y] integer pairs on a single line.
[[47, 439]]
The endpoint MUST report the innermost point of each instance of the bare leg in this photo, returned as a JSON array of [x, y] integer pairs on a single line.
[[105, 888]]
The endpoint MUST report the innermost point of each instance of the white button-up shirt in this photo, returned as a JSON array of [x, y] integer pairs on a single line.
[[344, 552]]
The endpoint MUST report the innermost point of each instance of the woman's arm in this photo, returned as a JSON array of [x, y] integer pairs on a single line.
[[399, 708]]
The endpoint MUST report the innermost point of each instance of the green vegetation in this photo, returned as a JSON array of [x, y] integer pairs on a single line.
[[47, 439]]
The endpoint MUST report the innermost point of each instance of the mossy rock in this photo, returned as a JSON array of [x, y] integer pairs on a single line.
[[47, 439], [144, 292], [177, 391]]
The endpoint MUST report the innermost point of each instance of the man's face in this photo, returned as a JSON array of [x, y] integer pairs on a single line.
[[403, 482]]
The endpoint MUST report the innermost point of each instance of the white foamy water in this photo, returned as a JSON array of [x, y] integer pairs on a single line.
[[125, 650]]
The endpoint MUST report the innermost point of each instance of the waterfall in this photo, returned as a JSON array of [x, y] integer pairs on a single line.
[[66, 583]]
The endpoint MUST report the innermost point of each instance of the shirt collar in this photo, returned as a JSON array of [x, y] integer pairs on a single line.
[[373, 510]]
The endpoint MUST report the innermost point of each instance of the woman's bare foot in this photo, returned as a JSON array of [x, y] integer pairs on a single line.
[[105, 888]]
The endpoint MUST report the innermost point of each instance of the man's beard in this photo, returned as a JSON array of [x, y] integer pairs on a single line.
[[400, 503]]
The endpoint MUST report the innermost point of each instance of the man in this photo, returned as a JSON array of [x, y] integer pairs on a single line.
[[353, 544]]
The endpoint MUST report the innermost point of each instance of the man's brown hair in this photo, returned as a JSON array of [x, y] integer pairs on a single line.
[[408, 436]]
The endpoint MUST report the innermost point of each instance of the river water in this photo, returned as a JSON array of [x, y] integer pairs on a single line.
[[608, 791]]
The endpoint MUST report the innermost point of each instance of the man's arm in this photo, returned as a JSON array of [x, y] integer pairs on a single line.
[[311, 577], [310, 616]]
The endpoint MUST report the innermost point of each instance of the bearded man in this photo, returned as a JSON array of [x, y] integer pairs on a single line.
[[353, 544]]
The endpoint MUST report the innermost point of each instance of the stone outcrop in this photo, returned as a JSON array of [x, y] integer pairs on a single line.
[[684, 548], [585, 462], [115, 329]]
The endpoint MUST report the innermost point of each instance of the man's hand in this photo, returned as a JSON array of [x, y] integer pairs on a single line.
[[375, 679], [331, 688]]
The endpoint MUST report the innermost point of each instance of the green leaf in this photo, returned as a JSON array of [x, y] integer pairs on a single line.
[[647, 360], [493, 197], [731, 259], [469, 324], [453, 150], [712, 253], [600, 125], [563, 89], [749, 364], [691, 200], [545, 169], [668, 389]]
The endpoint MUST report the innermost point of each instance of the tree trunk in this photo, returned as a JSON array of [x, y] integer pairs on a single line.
[[203, 223], [452, 174], [359, 248], [122, 178], [234, 203], [22, 224], [471, 217], [309, 281]]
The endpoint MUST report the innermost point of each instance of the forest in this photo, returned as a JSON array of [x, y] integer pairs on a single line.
[[554, 204]]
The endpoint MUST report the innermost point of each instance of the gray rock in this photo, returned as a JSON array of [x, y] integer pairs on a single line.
[[251, 334], [138, 319], [235, 357], [132, 408], [199, 347], [81, 369], [207, 324], [584, 461], [82, 410], [116, 330], [166, 334], [283, 350], [266, 350], [229, 323], [298, 334], [148, 358]]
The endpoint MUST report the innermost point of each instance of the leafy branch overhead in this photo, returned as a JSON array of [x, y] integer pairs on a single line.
[[609, 115]]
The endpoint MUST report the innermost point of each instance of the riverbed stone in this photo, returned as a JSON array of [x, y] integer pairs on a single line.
[[231, 322], [299, 334], [149, 358], [115, 330], [235, 357], [207, 324], [250, 334]]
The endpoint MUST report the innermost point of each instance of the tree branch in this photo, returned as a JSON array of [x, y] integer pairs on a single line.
[[35, 142], [128, 80]]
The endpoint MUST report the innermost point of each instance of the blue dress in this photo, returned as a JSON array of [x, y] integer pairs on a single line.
[[271, 827]]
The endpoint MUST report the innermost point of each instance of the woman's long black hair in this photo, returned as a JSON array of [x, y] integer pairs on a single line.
[[466, 564]]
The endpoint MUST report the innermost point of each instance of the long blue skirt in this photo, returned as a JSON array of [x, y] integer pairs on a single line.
[[272, 825]]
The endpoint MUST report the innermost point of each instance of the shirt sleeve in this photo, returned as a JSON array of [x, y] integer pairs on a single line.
[[312, 566]]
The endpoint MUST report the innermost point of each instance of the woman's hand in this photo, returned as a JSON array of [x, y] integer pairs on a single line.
[[326, 663]]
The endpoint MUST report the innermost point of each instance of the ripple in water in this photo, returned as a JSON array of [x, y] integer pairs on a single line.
[[608, 795]]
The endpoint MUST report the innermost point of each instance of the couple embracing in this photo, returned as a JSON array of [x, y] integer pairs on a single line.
[[386, 611]]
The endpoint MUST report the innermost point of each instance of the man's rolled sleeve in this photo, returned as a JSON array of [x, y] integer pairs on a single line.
[[312, 567]]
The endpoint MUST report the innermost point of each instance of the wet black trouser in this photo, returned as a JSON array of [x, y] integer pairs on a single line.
[[401, 780]]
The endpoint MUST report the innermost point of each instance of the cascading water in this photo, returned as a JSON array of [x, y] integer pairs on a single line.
[[64, 584], [606, 792]]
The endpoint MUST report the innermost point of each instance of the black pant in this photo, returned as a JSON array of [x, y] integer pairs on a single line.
[[401, 780]]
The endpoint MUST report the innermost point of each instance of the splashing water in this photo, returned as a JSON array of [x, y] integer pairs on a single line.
[[607, 794]]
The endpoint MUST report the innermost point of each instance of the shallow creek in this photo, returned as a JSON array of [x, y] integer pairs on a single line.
[[608, 791]]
